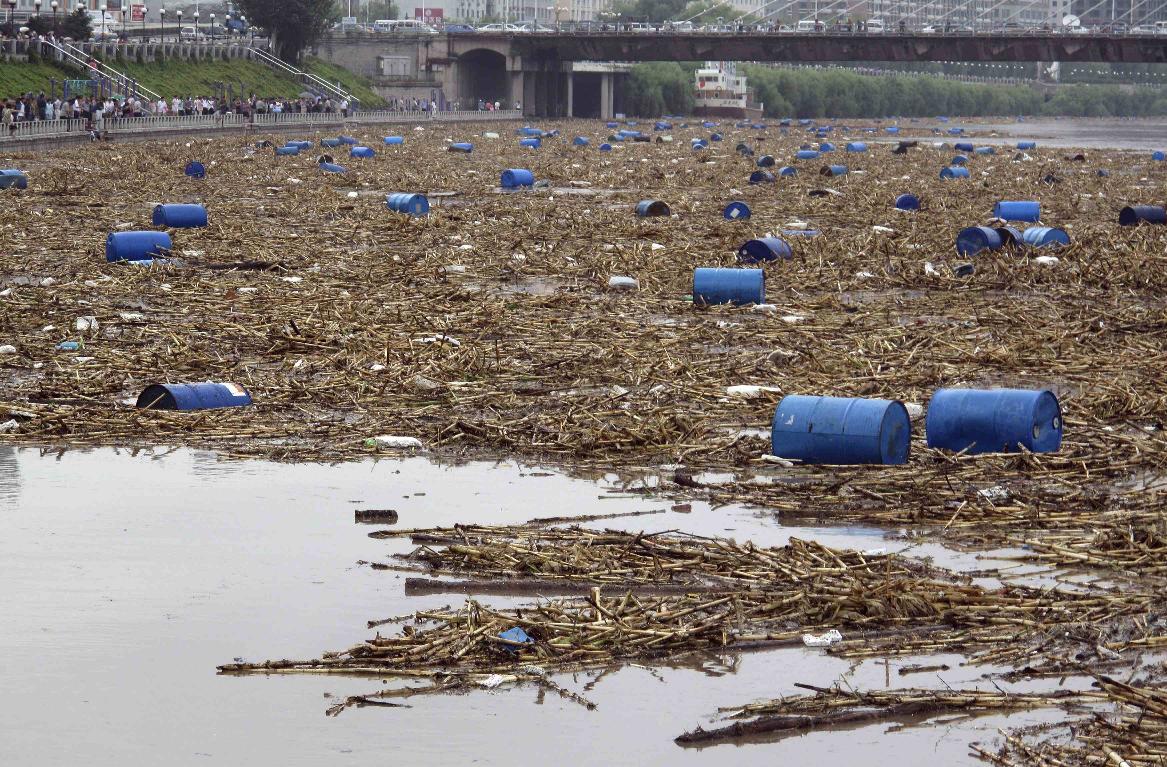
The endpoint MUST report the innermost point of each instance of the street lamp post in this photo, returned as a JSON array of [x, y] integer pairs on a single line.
[[196, 24], [54, 5], [145, 11], [162, 18], [179, 25], [11, 10], [36, 8], [212, 28]]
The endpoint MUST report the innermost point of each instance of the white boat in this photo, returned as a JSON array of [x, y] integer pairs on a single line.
[[722, 92]]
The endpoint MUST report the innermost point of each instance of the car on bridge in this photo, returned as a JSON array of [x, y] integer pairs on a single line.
[[511, 28], [459, 29]]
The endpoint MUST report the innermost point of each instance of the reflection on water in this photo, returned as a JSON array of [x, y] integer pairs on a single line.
[[9, 477]]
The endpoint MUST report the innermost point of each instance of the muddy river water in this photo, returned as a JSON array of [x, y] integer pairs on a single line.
[[128, 578]]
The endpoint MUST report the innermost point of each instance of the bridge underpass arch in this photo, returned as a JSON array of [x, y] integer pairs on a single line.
[[482, 74]]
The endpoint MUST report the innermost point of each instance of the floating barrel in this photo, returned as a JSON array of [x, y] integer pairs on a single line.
[[856, 146], [611, 125], [1045, 236], [728, 286], [527, 130], [348, 140], [985, 150], [801, 232], [580, 141], [715, 137], [362, 151], [652, 208], [1027, 145], [394, 140], [1017, 210], [180, 216], [1142, 214], [1010, 237], [463, 147], [411, 204], [287, 150], [964, 146], [761, 177], [833, 170], [516, 177], [136, 246], [662, 125], [840, 430], [331, 167], [972, 240], [826, 146], [605, 147], [330, 142], [302, 144], [994, 420], [699, 143], [532, 143], [1158, 156], [958, 160], [892, 129], [736, 211], [198, 396], [766, 161], [763, 249], [12, 177], [907, 202], [954, 172], [806, 154], [788, 170], [195, 169], [1103, 173]]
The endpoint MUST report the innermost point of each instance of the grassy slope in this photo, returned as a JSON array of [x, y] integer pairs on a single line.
[[357, 85], [22, 78]]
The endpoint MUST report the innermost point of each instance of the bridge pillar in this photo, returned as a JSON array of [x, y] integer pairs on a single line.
[[570, 93], [607, 96]]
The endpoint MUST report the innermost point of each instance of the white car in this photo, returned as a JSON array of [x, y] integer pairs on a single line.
[[500, 28], [928, 30]]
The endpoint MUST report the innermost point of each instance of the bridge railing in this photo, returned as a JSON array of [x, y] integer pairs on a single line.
[[42, 129]]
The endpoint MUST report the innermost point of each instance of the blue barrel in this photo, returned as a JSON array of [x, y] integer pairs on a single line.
[[801, 232], [533, 143], [331, 167], [611, 125], [1010, 237], [1142, 214], [907, 202], [994, 420], [1158, 156], [892, 129], [347, 140], [394, 140], [1027, 145], [605, 147], [955, 131], [580, 141], [766, 161], [136, 246], [958, 159], [736, 211], [1045, 236], [516, 177], [12, 177], [841, 430], [362, 151], [1103, 173], [833, 170], [985, 150], [195, 169], [699, 143], [411, 204], [953, 171], [287, 150], [972, 240], [197, 396], [180, 216], [652, 208], [762, 177], [788, 170], [462, 146], [728, 286], [662, 125], [964, 146], [715, 137], [1017, 210], [826, 146], [301, 144], [330, 142], [763, 249], [806, 154], [856, 146]]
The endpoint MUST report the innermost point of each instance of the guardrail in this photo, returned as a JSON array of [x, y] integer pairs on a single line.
[[42, 129]]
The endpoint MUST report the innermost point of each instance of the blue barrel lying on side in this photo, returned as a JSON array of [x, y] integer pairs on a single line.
[[611, 125], [394, 140], [1010, 237], [1018, 210], [331, 167], [994, 420], [985, 150], [973, 239], [13, 178], [762, 177], [833, 170], [715, 137], [907, 202], [287, 150], [516, 177], [362, 151], [462, 146], [605, 147], [958, 160], [580, 141], [763, 249], [952, 172], [788, 170], [411, 204], [806, 154], [197, 396], [826, 146], [1045, 237], [736, 211], [1027, 145], [766, 161], [652, 208], [841, 430], [713, 286], [137, 246], [347, 140], [180, 216], [892, 129], [532, 143], [1158, 156], [195, 169], [301, 145], [856, 146], [331, 143], [1132, 215], [964, 146]]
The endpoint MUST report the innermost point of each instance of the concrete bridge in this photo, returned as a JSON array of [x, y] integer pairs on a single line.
[[551, 76]]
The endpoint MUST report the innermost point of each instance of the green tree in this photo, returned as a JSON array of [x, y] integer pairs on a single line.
[[77, 25], [295, 25], [650, 10], [381, 9]]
